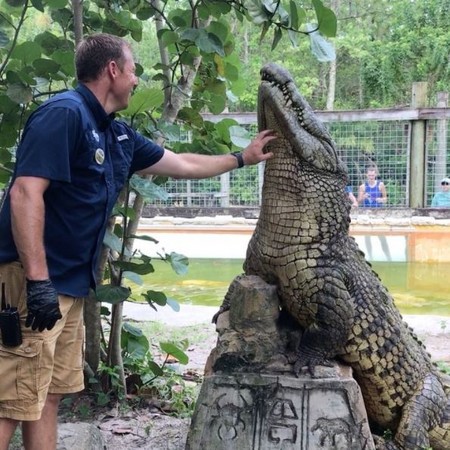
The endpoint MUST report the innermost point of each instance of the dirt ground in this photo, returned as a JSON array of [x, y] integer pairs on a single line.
[[148, 429]]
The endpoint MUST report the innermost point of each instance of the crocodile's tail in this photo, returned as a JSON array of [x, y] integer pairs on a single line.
[[440, 435]]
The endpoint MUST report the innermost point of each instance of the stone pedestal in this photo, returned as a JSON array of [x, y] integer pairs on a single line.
[[249, 411]]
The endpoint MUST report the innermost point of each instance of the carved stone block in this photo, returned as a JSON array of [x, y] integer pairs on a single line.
[[249, 411]]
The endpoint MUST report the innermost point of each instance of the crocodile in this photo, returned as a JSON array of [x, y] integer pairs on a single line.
[[301, 243]]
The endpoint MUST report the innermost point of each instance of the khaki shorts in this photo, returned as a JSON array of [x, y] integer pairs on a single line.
[[45, 362]]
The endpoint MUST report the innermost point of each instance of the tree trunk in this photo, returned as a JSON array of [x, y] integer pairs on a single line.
[[331, 93], [331, 85], [77, 8]]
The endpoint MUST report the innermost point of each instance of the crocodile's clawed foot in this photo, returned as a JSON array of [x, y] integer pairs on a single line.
[[382, 444], [308, 361]]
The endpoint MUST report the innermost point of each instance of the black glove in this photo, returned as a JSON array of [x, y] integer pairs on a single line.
[[42, 304]]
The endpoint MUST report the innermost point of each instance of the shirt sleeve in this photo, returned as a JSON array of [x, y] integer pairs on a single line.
[[146, 153], [50, 136]]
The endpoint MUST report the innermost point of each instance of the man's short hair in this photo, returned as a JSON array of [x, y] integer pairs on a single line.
[[95, 52]]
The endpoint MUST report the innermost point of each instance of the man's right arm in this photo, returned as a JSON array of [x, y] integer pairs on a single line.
[[27, 219]]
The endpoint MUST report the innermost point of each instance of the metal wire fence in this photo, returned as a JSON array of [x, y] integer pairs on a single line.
[[385, 144]]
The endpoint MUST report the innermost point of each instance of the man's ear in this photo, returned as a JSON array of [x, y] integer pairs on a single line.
[[112, 69]]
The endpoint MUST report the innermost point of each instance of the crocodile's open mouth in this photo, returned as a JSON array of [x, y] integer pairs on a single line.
[[282, 108]]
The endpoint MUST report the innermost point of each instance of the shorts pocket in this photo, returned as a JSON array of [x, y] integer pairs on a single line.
[[19, 368]]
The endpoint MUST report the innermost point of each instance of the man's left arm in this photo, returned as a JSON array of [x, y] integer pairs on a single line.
[[196, 166]]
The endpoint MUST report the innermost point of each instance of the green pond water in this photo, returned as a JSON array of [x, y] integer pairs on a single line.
[[418, 288]]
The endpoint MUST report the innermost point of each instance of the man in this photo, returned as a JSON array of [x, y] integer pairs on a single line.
[[442, 198], [71, 164], [372, 193]]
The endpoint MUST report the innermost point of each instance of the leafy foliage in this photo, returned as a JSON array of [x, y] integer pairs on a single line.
[[199, 70]]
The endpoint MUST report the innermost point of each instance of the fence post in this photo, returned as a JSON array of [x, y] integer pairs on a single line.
[[417, 156], [188, 193], [225, 190], [441, 153]]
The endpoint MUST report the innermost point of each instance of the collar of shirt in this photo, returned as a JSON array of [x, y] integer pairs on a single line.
[[102, 119]]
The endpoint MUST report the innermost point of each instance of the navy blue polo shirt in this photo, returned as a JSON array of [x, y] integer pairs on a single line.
[[87, 156]]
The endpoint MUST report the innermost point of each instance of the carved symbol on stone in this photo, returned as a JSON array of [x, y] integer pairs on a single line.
[[283, 433], [228, 419], [284, 409], [330, 429]]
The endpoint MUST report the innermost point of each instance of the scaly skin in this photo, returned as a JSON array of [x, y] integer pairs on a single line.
[[302, 244]]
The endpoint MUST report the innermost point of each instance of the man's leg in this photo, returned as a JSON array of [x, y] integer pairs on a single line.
[[42, 434], [7, 428]]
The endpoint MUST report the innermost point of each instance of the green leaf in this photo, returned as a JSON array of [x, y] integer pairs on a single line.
[[239, 136], [49, 42], [277, 34], [219, 29], [112, 294], [210, 43], [157, 297], [173, 304], [191, 116], [206, 42], [139, 268], [65, 59], [326, 19], [19, 93], [155, 368], [217, 104], [27, 52], [43, 67], [15, 3], [131, 329], [56, 4], [257, 12], [180, 17], [148, 189], [145, 13], [143, 237], [177, 353], [320, 47], [38, 5], [168, 37], [134, 277], [134, 341], [178, 262], [124, 211], [190, 34], [144, 100], [112, 241]]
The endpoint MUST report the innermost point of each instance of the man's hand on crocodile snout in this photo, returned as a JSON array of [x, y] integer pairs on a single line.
[[254, 153]]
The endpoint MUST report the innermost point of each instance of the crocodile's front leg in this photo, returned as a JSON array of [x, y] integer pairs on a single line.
[[324, 308]]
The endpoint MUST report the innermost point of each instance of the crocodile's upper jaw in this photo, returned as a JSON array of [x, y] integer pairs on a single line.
[[283, 109]]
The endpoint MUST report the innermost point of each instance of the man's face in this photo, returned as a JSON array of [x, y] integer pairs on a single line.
[[371, 175], [126, 81]]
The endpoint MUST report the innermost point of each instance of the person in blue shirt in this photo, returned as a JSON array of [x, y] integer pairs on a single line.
[[442, 198], [372, 193], [72, 162]]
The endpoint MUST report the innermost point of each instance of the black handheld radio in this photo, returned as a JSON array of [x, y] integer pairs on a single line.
[[9, 323]]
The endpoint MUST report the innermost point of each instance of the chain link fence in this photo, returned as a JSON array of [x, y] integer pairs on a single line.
[[384, 144]]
